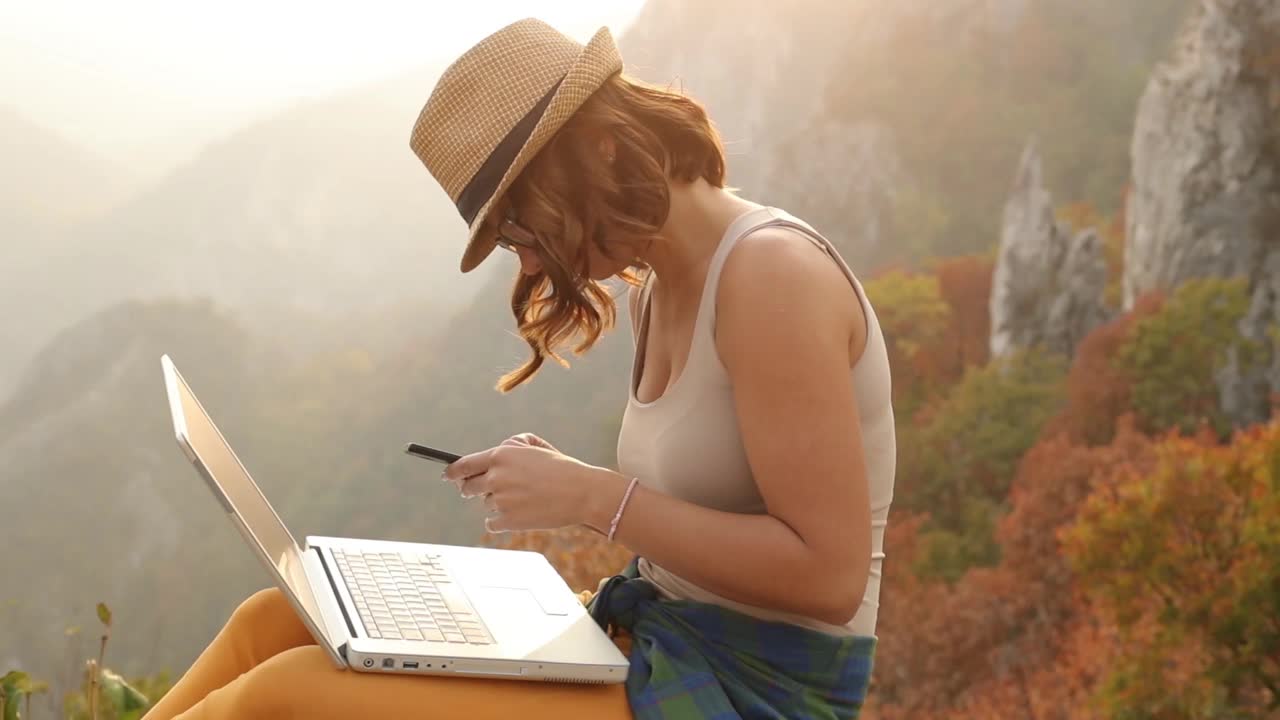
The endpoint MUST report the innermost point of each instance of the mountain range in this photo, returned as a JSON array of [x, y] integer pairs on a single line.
[[313, 222]]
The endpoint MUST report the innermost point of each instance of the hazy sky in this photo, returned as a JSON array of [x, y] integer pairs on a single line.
[[136, 77]]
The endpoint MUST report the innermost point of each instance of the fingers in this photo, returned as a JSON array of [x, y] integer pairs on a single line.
[[494, 521], [490, 473], [475, 485], [477, 463]]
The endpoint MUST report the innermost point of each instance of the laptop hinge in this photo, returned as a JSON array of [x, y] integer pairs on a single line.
[[337, 626], [333, 586]]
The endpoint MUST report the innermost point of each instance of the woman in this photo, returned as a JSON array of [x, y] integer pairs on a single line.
[[757, 447]]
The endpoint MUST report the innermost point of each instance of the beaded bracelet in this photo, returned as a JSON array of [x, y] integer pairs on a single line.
[[613, 526]]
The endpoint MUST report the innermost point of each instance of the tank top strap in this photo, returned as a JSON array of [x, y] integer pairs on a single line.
[[702, 346], [640, 310], [740, 228]]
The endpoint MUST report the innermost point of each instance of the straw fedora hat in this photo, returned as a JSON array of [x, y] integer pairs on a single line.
[[496, 106]]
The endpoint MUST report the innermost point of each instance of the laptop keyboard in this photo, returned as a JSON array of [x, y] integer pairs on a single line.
[[409, 597]]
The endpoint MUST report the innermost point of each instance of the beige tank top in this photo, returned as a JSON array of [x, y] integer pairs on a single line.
[[686, 443]]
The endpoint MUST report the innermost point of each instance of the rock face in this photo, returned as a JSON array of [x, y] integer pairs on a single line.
[[762, 74], [765, 71], [1206, 177], [1048, 286], [764, 78], [842, 178]]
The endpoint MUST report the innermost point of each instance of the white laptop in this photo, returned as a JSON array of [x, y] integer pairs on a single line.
[[394, 607]]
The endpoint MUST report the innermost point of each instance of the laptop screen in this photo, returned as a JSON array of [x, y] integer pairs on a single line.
[[233, 486]]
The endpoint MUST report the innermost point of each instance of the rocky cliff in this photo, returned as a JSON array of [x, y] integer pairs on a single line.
[[766, 72], [1048, 286], [1206, 176], [893, 126], [763, 70]]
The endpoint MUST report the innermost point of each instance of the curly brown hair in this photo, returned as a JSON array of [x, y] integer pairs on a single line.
[[572, 197]]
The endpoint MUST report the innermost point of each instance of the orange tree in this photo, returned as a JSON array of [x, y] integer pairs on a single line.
[[1186, 560], [936, 326], [964, 284], [1016, 640], [912, 315], [1099, 391]]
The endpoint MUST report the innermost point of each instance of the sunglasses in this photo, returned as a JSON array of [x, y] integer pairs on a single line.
[[512, 235]]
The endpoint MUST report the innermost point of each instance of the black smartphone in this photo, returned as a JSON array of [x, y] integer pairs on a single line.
[[430, 453]]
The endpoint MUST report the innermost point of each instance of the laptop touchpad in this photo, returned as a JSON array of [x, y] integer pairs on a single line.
[[523, 598]]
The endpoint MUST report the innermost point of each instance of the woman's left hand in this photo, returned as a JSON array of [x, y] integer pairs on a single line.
[[526, 484]]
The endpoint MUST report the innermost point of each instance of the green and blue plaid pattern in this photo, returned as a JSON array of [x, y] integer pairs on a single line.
[[695, 661]]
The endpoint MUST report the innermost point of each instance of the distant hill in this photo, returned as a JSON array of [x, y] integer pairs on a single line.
[[87, 454], [48, 184], [303, 275], [320, 217], [100, 504], [443, 390]]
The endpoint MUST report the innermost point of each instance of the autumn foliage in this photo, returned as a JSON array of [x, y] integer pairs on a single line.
[[965, 452], [935, 324], [912, 316], [964, 284], [993, 644], [1172, 356], [1098, 390], [1122, 570], [1185, 559]]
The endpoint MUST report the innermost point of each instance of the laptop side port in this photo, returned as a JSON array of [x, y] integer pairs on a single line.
[[410, 665], [388, 662]]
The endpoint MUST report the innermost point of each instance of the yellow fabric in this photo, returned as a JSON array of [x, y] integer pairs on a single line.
[[264, 664]]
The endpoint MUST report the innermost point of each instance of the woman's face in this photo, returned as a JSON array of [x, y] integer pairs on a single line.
[[599, 265]]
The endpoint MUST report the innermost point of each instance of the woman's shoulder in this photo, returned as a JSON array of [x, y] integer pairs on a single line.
[[776, 275], [775, 260]]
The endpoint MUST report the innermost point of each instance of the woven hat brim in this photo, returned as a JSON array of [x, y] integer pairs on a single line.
[[598, 61]]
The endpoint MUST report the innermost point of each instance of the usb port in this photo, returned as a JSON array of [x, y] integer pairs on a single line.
[[410, 665]]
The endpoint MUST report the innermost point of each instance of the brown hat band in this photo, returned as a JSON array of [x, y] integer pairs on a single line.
[[481, 186]]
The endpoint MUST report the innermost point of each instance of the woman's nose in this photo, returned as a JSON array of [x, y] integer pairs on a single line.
[[530, 264]]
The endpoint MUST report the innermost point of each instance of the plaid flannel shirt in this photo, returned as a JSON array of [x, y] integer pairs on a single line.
[[695, 661]]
